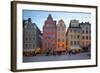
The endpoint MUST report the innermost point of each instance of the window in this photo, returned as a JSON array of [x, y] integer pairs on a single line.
[[70, 30], [25, 27], [53, 36], [26, 39], [74, 31], [78, 31], [25, 32], [74, 36], [71, 42], [62, 45], [83, 31], [30, 46], [53, 45], [77, 42], [48, 44], [30, 39], [25, 45], [89, 31], [83, 43], [90, 37], [48, 36], [71, 36], [58, 28], [58, 40], [33, 46], [47, 25], [87, 37], [86, 31], [87, 43], [87, 27], [78, 36], [63, 28], [62, 33], [58, 33], [62, 40], [82, 37], [74, 42], [58, 45]]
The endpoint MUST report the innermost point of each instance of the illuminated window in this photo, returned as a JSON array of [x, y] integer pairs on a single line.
[[62, 45]]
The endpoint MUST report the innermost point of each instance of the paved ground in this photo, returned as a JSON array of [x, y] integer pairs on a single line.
[[79, 56]]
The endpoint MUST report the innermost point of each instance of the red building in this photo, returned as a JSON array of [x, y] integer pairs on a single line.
[[49, 35]]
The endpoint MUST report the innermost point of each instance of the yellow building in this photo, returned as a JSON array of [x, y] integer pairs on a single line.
[[61, 36]]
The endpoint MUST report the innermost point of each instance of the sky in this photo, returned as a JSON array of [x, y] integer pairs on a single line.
[[39, 17]]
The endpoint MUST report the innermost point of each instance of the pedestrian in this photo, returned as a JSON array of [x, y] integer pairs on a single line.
[[70, 52]]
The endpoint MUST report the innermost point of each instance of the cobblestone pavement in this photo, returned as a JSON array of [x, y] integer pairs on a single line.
[[79, 56]]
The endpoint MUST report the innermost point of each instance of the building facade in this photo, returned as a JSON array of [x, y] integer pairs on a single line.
[[74, 35], [61, 36], [31, 38], [49, 35], [86, 34], [79, 35]]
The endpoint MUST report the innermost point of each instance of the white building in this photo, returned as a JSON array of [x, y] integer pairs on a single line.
[[74, 35]]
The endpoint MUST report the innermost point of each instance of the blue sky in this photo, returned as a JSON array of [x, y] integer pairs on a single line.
[[39, 17]]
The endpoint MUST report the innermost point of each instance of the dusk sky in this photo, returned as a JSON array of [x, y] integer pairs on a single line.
[[39, 17]]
